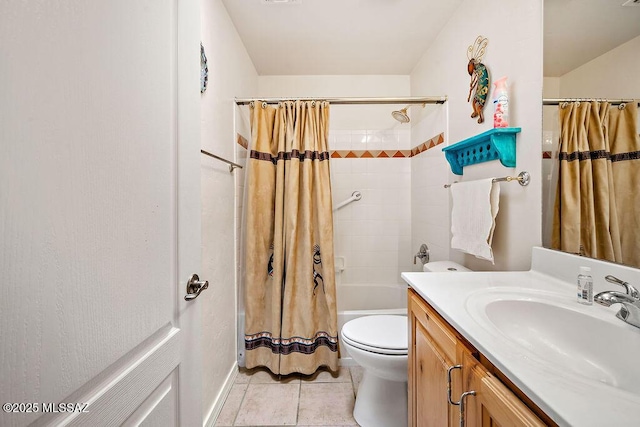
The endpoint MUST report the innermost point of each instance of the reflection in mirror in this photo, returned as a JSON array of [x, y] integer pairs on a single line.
[[591, 149]]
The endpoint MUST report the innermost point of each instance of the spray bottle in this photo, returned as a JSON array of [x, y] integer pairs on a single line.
[[501, 104]]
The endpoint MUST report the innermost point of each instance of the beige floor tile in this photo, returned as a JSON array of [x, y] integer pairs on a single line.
[[325, 376], [264, 376], [324, 404], [269, 405], [356, 376], [231, 405], [244, 375]]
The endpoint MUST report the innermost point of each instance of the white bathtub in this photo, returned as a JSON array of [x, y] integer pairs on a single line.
[[366, 300]]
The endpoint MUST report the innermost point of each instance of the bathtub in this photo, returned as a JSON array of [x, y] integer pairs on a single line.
[[365, 300]]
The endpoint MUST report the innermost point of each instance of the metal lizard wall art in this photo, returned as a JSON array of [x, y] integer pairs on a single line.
[[479, 77]]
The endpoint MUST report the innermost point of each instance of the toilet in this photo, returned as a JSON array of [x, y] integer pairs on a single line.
[[443, 266], [379, 344]]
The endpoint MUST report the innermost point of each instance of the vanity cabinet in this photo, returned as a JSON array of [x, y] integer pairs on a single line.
[[443, 365]]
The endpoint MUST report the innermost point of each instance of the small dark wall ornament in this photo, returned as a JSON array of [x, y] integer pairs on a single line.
[[204, 70], [479, 77]]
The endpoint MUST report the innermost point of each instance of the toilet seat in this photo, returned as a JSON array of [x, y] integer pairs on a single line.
[[382, 334]]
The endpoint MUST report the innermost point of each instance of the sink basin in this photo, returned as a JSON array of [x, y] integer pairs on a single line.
[[564, 337]]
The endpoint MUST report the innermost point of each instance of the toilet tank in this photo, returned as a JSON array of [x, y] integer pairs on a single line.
[[443, 266]]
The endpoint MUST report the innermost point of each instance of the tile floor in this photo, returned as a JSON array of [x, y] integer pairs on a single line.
[[259, 398]]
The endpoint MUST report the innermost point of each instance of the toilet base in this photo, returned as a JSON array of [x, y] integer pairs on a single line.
[[381, 402]]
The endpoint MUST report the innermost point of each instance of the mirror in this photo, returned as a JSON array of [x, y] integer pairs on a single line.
[[591, 50]]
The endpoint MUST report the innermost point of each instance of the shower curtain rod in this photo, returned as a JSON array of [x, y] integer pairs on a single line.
[[558, 101], [355, 101]]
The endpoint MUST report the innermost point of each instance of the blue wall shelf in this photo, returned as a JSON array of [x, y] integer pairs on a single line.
[[494, 144]]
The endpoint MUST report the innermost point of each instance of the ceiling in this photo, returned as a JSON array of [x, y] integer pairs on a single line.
[[341, 37], [320, 37]]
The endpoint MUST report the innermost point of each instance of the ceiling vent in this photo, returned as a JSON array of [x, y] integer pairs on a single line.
[[631, 3], [274, 2]]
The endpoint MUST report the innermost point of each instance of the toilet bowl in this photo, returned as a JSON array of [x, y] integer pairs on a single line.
[[379, 344]]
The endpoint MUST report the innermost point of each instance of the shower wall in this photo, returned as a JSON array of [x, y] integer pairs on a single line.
[[372, 235]]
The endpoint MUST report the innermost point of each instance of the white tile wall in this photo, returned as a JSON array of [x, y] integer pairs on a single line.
[[430, 215], [430, 203], [373, 234], [386, 139]]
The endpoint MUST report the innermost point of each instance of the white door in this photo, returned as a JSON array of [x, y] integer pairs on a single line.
[[99, 212]]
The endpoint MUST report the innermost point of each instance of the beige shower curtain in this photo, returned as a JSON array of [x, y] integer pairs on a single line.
[[598, 200], [290, 296]]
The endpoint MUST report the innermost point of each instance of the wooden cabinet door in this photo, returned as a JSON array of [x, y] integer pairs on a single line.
[[493, 404], [430, 356], [432, 407]]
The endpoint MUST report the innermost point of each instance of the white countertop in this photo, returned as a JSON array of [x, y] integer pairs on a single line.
[[569, 398]]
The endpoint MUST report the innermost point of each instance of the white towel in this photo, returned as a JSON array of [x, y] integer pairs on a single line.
[[475, 205]]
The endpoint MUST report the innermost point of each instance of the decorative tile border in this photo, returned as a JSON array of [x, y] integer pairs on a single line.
[[369, 154], [374, 154], [242, 141], [436, 140], [378, 154]]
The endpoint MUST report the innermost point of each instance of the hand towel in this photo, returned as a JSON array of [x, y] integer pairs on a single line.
[[475, 205]]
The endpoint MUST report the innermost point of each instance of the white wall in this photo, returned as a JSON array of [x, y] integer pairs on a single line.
[[514, 31], [231, 74], [612, 75], [430, 215]]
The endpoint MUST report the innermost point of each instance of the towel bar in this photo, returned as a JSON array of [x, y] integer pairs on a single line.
[[523, 179], [231, 164]]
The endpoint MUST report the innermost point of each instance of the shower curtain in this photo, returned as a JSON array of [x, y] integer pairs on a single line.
[[290, 296], [597, 202]]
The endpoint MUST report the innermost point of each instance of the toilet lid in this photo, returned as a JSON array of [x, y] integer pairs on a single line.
[[381, 332]]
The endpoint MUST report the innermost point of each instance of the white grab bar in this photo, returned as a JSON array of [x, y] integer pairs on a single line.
[[355, 196]]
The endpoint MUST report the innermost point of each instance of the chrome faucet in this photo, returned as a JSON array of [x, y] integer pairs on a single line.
[[630, 301], [627, 287], [423, 254]]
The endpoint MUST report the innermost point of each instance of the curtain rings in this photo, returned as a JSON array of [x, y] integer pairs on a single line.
[[621, 106], [313, 104], [253, 105], [564, 105]]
